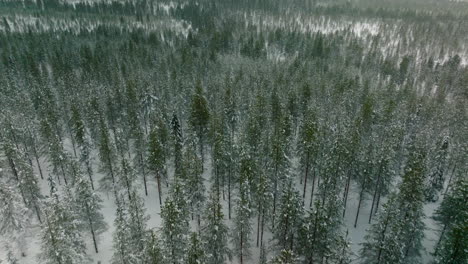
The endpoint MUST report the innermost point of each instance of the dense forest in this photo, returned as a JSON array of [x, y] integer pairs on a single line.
[[234, 131]]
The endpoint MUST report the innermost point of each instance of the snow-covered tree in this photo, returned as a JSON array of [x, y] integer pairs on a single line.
[[194, 182], [15, 217], [285, 257], [199, 117], [153, 253], [195, 253], [177, 139], [61, 240], [215, 232], [452, 215], [242, 229], [89, 206], [397, 235], [138, 222], [121, 237], [157, 157], [175, 226], [289, 218]]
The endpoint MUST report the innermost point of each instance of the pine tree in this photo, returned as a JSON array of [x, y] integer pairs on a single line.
[[242, 229], [140, 156], [89, 209], [82, 141], [199, 117], [289, 219], [437, 171], [175, 228], [138, 221], [215, 232], [106, 155], [195, 254], [61, 239], [156, 157], [24, 177], [121, 237], [452, 215], [126, 177], [14, 216], [308, 147], [397, 235], [285, 257], [153, 253], [194, 181], [55, 149], [178, 142]]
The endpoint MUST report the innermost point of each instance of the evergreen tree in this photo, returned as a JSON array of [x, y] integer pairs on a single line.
[[137, 221], [199, 117], [82, 142], [194, 181], [154, 253], [437, 171], [195, 254], [175, 228], [61, 239], [215, 232], [121, 237], [397, 235], [452, 215], [156, 157], [24, 177], [242, 229], [178, 141], [14, 216], [289, 219], [307, 148], [89, 209], [285, 257], [107, 156]]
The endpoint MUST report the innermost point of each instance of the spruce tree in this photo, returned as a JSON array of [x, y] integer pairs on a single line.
[[89, 209], [14, 216], [215, 232], [178, 143], [397, 235], [285, 257], [194, 181], [196, 253], [121, 237], [61, 240], [289, 219], [199, 117], [242, 229], [175, 226], [452, 215], [138, 222], [107, 156], [156, 157]]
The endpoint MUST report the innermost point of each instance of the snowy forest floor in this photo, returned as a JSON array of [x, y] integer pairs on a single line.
[[356, 235]]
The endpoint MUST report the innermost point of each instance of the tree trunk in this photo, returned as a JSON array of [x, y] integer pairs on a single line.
[[88, 169], [258, 226], [377, 189], [305, 178], [15, 172], [229, 190], [92, 230], [346, 192], [313, 188], [359, 206], [36, 156], [158, 180]]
